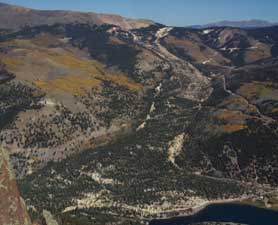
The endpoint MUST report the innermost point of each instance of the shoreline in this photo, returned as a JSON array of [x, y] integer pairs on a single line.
[[231, 212], [192, 211], [170, 214]]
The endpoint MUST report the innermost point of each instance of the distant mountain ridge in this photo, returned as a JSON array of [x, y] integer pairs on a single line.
[[239, 24], [30, 17], [23, 16]]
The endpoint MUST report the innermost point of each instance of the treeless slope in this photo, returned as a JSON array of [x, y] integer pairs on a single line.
[[23, 16]]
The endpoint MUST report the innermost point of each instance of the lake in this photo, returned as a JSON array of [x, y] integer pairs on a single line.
[[236, 213]]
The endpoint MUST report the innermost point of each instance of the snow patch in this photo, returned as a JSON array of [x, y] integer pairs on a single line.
[[207, 31], [207, 61], [48, 102], [163, 32], [152, 109], [142, 126], [113, 30], [233, 49]]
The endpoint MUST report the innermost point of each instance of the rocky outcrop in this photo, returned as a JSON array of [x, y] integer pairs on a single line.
[[12, 207], [175, 147], [49, 220]]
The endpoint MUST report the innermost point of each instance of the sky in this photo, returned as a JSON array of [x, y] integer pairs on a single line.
[[169, 12]]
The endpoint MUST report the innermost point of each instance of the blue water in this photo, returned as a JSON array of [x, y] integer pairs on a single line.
[[235, 213]]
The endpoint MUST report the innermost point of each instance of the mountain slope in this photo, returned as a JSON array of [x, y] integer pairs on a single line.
[[30, 17], [106, 125]]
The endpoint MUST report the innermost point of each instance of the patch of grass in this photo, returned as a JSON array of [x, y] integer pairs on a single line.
[[71, 84], [12, 62], [228, 115], [234, 127], [256, 90], [45, 39], [77, 64], [71, 61], [95, 68], [274, 110], [233, 121], [124, 81]]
